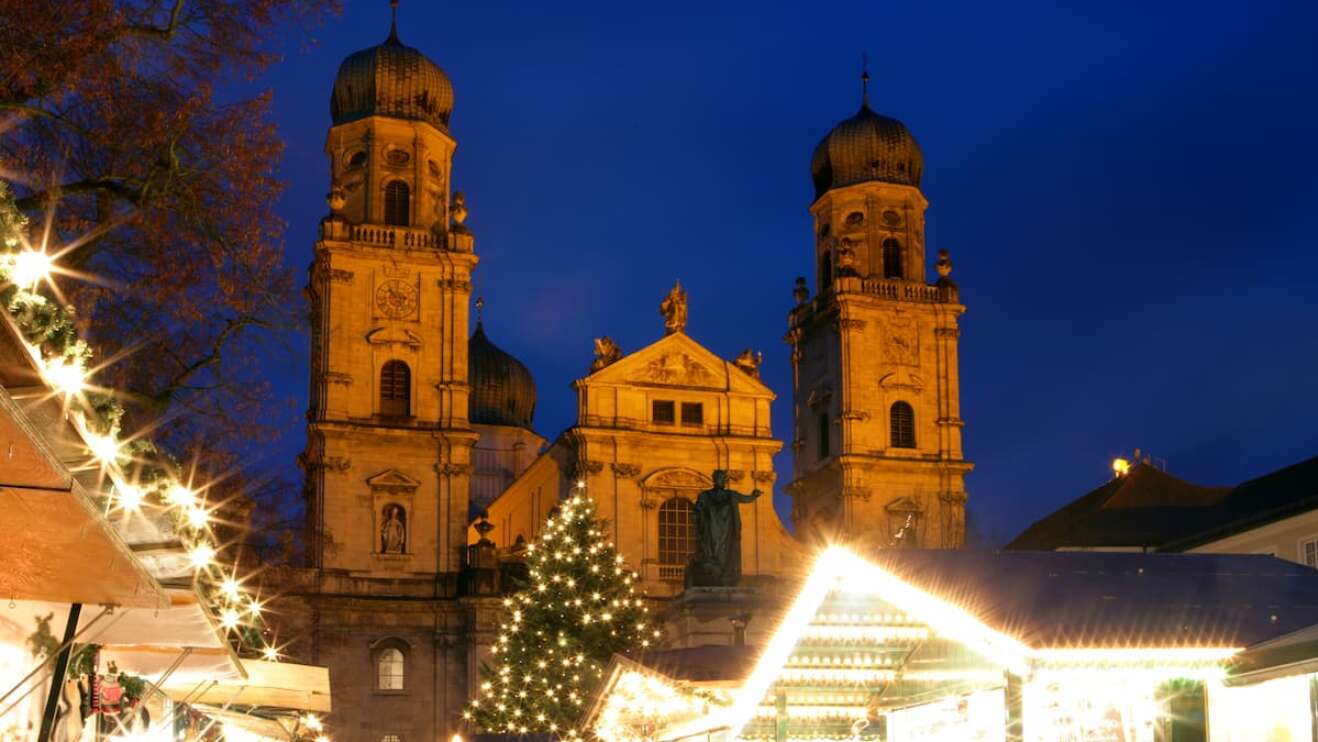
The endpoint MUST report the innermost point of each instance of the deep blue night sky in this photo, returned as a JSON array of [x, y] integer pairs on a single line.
[[1128, 193]]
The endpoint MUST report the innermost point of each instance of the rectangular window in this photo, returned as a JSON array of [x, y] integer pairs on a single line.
[[1309, 552], [662, 412], [693, 413]]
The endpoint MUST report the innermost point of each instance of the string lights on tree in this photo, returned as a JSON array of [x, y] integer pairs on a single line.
[[580, 607]]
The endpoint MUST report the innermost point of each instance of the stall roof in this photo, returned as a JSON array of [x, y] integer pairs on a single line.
[[50, 519], [264, 727], [710, 663], [1105, 599], [281, 685]]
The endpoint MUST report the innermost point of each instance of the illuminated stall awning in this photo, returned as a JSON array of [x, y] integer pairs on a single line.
[[58, 545], [183, 641], [250, 726], [924, 645], [1294, 654], [276, 685]]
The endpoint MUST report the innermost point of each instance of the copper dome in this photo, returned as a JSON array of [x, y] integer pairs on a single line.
[[866, 147], [502, 390], [391, 80]]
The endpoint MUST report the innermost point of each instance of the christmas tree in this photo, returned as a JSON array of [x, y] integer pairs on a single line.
[[580, 607]]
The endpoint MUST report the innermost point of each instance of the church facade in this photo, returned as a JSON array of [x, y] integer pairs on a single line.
[[424, 473]]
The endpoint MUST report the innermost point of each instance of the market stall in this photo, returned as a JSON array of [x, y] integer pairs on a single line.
[[1004, 647]]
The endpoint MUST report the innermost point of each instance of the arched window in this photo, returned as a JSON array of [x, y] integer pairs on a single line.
[[892, 258], [677, 531], [389, 665], [396, 201], [826, 270], [396, 389], [823, 437], [902, 421]]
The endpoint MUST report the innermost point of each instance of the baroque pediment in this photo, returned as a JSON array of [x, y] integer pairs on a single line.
[[677, 477], [392, 479], [904, 505], [678, 361], [901, 380], [677, 369], [392, 336]]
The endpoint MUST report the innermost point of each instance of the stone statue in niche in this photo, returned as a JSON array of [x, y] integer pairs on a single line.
[[607, 352], [673, 309], [393, 534], [717, 561]]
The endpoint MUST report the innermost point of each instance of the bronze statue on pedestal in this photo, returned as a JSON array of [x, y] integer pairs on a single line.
[[717, 561]]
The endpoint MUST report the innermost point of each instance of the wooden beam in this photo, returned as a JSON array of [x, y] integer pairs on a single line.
[[60, 671]]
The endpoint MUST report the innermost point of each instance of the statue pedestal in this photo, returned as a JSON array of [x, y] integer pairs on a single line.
[[723, 615]]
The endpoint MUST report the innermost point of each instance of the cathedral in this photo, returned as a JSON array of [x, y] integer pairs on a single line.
[[425, 478]]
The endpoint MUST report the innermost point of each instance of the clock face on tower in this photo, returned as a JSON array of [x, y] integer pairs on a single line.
[[395, 299]]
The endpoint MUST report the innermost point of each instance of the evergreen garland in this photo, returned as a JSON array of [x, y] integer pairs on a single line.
[[51, 334]]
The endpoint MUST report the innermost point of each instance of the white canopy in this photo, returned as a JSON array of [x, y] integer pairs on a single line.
[[282, 685]]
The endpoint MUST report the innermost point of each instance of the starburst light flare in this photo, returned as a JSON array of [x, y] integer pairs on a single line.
[[104, 448], [201, 556], [66, 375], [29, 268], [61, 358], [129, 497]]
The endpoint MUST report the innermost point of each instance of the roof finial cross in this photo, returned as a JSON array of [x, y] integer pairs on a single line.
[[393, 19], [864, 79]]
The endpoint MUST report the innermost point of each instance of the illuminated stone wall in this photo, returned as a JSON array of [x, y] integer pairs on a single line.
[[875, 335], [632, 464]]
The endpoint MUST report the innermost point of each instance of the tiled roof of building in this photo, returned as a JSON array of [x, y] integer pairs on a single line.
[[1094, 599], [1150, 509], [1144, 509], [1271, 497]]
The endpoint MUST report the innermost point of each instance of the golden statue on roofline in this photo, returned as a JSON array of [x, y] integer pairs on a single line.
[[673, 309]]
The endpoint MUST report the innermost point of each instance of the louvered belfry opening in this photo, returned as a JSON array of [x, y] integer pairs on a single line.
[[902, 419], [396, 389], [892, 259], [396, 204]]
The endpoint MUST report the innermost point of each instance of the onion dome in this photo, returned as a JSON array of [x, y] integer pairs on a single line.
[[391, 80], [866, 147], [502, 390]]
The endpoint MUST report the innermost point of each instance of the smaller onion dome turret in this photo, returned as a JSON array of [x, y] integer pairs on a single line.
[[866, 147], [391, 80], [502, 389]]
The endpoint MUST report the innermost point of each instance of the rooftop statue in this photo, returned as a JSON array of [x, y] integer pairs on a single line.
[[749, 361], [717, 561], [607, 353], [673, 308]]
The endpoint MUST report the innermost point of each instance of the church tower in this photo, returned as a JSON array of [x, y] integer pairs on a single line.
[[877, 439], [388, 458]]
